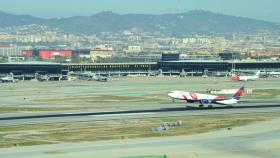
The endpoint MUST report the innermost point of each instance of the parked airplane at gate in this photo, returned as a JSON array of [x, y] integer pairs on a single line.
[[6, 79], [192, 97], [91, 77], [274, 73], [246, 78]]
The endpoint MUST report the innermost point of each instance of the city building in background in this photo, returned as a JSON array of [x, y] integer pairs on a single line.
[[101, 51]]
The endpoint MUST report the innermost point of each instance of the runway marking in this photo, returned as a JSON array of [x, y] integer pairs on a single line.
[[129, 114], [157, 112]]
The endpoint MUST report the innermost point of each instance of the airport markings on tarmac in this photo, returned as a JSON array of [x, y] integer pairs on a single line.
[[139, 114]]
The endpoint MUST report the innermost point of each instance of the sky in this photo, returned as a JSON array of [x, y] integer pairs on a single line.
[[268, 10]]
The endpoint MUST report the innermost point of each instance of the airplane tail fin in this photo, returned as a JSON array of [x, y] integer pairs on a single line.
[[235, 77], [239, 93], [258, 73]]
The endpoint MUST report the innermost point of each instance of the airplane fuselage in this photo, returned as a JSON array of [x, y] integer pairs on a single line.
[[193, 97]]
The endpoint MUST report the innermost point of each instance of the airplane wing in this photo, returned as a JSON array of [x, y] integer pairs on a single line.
[[227, 102]]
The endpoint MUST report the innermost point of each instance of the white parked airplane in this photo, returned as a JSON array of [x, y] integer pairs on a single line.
[[192, 97], [246, 78], [274, 73], [6, 79]]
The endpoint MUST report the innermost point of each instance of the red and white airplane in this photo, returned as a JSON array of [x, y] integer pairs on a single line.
[[246, 78], [192, 97]]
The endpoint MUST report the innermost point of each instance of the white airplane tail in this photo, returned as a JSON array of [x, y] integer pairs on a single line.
[[258, 74]]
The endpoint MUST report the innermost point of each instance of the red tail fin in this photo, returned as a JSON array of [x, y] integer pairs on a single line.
[[239, 93], [235, 77]]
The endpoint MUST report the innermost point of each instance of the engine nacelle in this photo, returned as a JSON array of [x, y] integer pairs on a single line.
[[205, 101]]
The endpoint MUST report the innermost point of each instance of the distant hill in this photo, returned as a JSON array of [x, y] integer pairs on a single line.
[[197, 21], [8, 20]]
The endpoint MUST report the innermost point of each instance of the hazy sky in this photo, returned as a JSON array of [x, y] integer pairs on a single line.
[[260, 9]]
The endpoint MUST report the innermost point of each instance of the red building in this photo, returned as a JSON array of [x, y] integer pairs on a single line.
[[51, 54], [27, 53]]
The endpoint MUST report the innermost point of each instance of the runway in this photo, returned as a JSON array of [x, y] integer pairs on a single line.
[[76, 116]]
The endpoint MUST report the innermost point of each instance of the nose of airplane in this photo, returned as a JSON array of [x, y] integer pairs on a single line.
[[172, 94]]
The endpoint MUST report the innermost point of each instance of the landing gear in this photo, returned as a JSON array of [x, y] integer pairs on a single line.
[[210, 106], [201, 105]]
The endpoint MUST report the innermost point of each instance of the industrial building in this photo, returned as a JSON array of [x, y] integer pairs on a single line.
[[47, 53], [9, 51]]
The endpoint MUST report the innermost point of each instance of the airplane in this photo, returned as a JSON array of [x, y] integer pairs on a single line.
[[100, 78], [274, 73], [192, 97], [246, 78], [91, 77], [6, 79]]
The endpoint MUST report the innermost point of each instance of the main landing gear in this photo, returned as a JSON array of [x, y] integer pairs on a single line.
[[201, 105]]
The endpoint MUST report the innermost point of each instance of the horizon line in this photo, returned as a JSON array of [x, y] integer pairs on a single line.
[[103, 11]]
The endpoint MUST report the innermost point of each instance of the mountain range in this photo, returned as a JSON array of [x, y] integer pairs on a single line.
[[196, 21]]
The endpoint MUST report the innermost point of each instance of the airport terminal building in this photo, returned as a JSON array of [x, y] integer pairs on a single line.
[[176, 66], [57, 71], [31, 70]]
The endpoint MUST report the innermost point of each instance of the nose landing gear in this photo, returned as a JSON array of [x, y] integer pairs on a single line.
[[200, 105]]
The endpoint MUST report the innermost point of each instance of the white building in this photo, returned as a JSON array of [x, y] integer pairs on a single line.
[[134, 49]]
